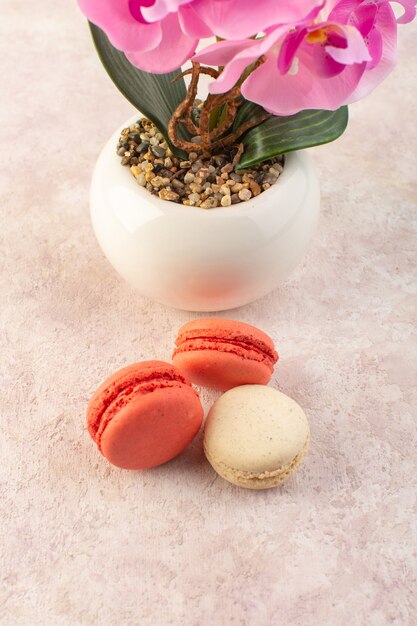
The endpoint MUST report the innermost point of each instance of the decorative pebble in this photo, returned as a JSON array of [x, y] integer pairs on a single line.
[[255, 188], [226, 200], [158, 181], [141, 180], [142, 147], [135, 170], [158, 151], [196, 166], [195, 187], [200, 182], [188, 178], [245, 194], [274, 171], [210, 203], [226, 169], [203, 172], [194, 198], [165, 194]]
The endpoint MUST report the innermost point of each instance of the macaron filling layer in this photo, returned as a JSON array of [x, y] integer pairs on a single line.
[[245, 347], [140, 382]]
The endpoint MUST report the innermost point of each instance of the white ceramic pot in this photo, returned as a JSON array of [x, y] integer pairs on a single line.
[[203, 259]]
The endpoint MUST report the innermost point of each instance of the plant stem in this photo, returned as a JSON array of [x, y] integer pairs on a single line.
[[217, 116]]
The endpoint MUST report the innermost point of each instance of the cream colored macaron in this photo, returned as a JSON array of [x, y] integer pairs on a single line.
[[255, 436]]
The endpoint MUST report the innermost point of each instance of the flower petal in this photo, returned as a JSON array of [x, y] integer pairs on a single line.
[[174, 49], [123, 30], [289, 49], [237, 19], [223, 52], [387, 28], [410, 10], [162, 8], [286, 94], [192, 24], [356, 50], [236, 56]]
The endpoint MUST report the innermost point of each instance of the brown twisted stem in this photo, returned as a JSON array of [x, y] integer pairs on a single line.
[[182, 113], [239, 152], [203, 129], [209, 139], [205, 121], [195, 70], [202, 70]]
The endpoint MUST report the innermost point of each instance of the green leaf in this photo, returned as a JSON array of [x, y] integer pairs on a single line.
[[279, 135], [154, 95], [247, 110]]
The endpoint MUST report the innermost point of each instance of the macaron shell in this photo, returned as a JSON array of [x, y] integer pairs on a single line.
[[152, 429], [255, 432], [266, 480], [221, 370], [219, 327], [222, 354], [114, 384]]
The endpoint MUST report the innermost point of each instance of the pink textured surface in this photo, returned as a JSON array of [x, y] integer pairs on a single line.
[[84, 543]]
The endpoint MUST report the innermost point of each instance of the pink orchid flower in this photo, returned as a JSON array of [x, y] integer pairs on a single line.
[[160, 35], [336, 54], [230, 19], [158, 46]]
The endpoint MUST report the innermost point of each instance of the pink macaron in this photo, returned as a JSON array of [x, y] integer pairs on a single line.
[[144, 415], [222, 354]]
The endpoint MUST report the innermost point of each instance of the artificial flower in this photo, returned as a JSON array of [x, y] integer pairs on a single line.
[[334, 55], [232, 19], [160, 46]]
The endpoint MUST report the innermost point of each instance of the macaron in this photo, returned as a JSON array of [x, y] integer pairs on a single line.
[[222, 354], [255, 436], [144, 415]]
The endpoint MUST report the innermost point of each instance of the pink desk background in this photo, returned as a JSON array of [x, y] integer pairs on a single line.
[[87, 544]]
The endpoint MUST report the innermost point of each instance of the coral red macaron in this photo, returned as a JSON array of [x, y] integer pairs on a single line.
[[222, 354], [144, 415]]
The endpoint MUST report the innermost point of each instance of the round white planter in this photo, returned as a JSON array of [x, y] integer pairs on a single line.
[[203, 259]]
